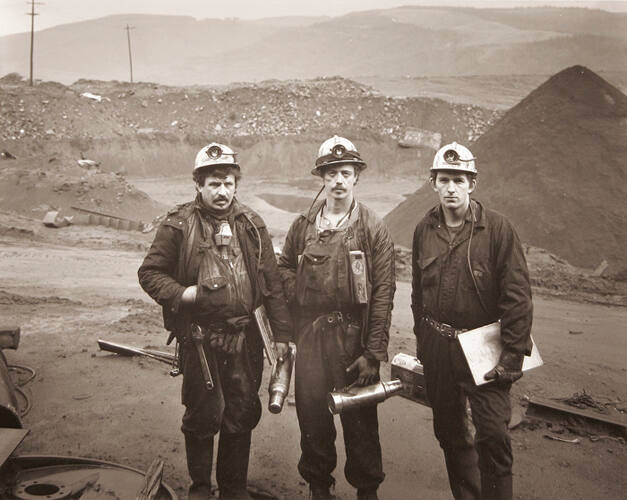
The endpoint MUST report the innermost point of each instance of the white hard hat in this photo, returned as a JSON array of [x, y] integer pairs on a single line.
[[454, 157], [337, 151], [215, 154]]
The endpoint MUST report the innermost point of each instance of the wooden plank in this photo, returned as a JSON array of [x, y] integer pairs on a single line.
[[556, 411], [10, 439]]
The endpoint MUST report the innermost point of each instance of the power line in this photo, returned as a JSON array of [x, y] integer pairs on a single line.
[[130, 58], [32, 15]]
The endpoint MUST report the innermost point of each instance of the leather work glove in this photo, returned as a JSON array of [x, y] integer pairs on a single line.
[[368, 370], [508, 370], [234, 342], [217, 339], [282, 349]]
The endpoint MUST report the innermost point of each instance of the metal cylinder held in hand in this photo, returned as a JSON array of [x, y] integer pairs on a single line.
[[340, 401], [280, 382]]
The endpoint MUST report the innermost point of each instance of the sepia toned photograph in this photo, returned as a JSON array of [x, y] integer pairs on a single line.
[[289, 250]]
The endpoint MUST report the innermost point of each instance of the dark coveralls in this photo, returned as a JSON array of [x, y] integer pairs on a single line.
[[183, 254], [443, 292], [331, 332]]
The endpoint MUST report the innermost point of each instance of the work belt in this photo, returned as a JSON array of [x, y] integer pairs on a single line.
[[335, 318], [442, 328]]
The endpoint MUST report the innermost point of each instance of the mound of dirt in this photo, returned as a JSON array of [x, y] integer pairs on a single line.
[[556, 165], [35, 185]]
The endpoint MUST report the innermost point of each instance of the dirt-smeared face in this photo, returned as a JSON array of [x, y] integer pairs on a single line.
[[217, 192], [453, 189], [339, 181]]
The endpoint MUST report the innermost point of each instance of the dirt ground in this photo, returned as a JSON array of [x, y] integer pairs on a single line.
[[68, 287]]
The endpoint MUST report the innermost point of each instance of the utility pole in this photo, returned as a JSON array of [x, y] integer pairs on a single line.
[[32, 15], [130, 58]]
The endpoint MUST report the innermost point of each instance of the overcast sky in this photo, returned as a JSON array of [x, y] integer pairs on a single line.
[[53, 12]]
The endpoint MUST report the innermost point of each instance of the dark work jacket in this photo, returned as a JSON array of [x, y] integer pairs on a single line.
[[374, 240], [173, 260], [442, 286]]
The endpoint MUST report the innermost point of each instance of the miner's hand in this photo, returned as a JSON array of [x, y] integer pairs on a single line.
[[189, 294], [368, 370], [508, 370]]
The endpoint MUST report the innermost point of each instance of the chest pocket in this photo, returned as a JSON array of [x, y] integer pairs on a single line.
[[322, 274], [428, 271], [224, 286]]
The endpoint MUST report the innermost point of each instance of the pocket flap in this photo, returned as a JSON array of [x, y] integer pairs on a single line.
[[315, 259], [214, 283], [425, 262]]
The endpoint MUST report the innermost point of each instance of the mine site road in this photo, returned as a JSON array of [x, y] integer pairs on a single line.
[[85, 291]]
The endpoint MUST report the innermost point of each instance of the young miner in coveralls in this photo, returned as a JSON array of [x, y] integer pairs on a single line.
[[337, 267], [211, 264], [469, 270]]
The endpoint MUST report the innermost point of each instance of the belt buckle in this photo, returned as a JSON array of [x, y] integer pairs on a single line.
[[448, 330]]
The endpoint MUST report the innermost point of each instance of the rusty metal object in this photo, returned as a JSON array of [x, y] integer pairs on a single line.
[[58, 477], [9, 337], [125, 350], [9, 412], [575, 418]]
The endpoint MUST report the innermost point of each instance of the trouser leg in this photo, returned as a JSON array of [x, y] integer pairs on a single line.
[[450, 419], [318, 456], [232, 464], [491, 413], [364, 467], [199, 452]]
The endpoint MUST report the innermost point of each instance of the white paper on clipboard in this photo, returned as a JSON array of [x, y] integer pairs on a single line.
[[482, 348]]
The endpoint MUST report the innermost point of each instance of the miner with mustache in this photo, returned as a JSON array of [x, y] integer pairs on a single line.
[[210, 266], [337, 267]]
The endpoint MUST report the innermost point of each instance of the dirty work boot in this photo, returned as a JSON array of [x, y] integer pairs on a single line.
[[232, 465], [199, 462], [370, 494], [317, 492], [496, 487]]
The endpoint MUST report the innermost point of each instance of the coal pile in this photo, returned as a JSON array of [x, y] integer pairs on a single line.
[[556, 165]]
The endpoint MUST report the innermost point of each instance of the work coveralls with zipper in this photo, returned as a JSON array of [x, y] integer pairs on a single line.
[[443, 292]]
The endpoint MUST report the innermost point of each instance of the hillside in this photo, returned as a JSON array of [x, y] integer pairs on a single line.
[[556, 165], [146, 129], [414, 41]]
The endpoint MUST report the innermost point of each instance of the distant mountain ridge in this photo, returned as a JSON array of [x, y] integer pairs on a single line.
[[414, 41]]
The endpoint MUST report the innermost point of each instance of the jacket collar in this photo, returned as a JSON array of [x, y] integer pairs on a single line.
[[436, 216]]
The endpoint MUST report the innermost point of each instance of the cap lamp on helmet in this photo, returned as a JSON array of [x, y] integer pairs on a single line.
[[454, 157], [337, 151], [215, 154]]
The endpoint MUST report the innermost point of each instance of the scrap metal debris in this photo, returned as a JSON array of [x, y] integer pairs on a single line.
[[562, 440], [585, 401]]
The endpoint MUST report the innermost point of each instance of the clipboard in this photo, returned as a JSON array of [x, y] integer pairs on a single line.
[[483, 346]]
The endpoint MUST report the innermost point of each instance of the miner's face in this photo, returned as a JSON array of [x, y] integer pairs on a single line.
[[339, 181], [453, 188], [218, 192]]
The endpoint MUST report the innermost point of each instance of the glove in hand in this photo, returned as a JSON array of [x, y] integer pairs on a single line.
[[508, 370], [368, 370]]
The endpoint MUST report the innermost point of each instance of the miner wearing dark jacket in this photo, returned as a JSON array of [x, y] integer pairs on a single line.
[[469, 270], [210, 266], [337, 267]]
